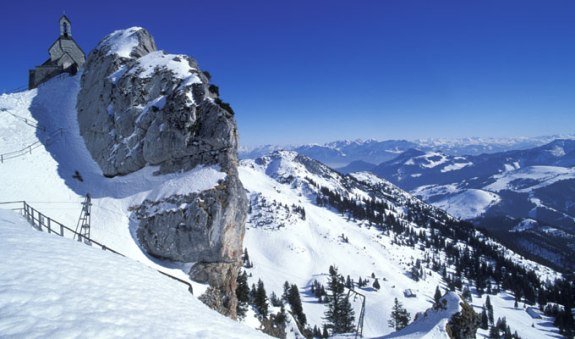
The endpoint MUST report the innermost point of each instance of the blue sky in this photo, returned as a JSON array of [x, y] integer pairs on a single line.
[[316, 71]]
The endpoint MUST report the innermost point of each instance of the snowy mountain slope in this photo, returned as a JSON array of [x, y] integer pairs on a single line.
[[415, 168], [468, 204], [431, 324], [535, 183], [59, 288], [286, 245], [45, 177]]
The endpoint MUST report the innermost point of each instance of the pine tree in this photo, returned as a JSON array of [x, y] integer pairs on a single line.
[[252, 293], [294, 301], [261, 299], [437, 299], [484, 320], [243, 294], [246, 259], [376, 284], [316, 332], [494, 333], [348, 282], [339, 314], [489, 309], [399, 316], [466, 294], [276, 302], [286, 291], [280, 318]]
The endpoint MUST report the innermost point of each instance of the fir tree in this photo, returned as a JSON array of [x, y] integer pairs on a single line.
[[399, 316], [489, 310], [243, 294], [466, 294], [339, 315], [276, 302], [484, 320], [437, 299], [252, 293], [261, 299], [348, 282], [294, 301], [286, 291], [280, 318], [246, 259], [376, 284], [494, 333]]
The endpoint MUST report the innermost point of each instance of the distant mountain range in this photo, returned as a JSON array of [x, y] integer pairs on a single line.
[[339, 154], [524, 196]]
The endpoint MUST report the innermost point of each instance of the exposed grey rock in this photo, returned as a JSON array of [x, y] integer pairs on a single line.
[[138, 107]]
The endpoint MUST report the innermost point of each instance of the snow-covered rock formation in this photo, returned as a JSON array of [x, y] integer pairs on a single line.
[[142, 107]]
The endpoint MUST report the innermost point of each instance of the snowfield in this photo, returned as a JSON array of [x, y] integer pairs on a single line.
[[519, 180], [59, 288], [469, 203]]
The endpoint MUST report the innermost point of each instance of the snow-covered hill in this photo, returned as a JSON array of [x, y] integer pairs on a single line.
[[286, 245], [536, 183], [59, 288]]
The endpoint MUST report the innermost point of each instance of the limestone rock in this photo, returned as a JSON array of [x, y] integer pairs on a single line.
[[139, 107]]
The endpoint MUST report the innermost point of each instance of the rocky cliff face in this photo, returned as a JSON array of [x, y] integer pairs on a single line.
[[142, 107]]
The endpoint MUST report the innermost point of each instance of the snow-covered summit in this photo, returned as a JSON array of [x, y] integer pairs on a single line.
[[121, 42], [178, 64]]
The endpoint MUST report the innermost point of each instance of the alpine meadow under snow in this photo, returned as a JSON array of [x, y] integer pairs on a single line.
[[422, 272]]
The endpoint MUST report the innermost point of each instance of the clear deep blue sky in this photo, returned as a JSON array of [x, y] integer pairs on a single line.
[[316, 71]]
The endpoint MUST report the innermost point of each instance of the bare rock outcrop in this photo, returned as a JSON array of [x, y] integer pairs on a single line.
[[142, 107]]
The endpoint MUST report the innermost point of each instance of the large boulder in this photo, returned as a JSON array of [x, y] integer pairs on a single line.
[[142, 107]]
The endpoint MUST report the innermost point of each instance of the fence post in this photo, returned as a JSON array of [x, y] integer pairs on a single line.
[[49, 226]]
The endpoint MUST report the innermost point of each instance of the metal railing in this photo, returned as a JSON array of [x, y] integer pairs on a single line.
[[43, 223], [28, 149]]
